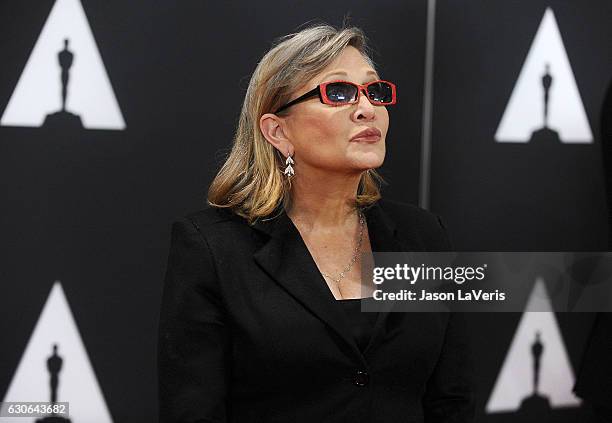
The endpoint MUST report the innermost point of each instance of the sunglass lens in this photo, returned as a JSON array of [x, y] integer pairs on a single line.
[[380, 92], [340, 92]]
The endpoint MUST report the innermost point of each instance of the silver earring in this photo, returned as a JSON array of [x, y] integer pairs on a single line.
[[289, 169]]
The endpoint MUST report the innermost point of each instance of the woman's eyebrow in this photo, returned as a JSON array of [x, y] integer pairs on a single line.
[[370, 72]]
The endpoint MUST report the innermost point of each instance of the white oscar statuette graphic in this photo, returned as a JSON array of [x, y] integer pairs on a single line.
[[64, 80], [536, 373], [545, 103], [55, 367]]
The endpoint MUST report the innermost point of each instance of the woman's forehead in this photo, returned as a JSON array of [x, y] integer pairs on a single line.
[[363, 75], [350, 65]]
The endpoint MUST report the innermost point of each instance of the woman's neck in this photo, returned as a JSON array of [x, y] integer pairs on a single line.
[[324, 204]]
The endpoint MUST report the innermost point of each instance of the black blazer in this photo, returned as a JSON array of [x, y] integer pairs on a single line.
[[594, 381], [250, 332]]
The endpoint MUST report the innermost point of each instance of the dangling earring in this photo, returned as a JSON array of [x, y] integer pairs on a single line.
[[289, 169]]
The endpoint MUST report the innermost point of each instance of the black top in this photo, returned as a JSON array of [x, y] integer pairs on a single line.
[[362, 323]]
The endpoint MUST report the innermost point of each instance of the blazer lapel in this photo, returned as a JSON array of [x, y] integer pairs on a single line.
[[383, 238], [286, 258]]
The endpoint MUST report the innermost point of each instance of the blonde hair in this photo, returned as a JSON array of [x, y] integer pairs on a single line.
[[251, 181]]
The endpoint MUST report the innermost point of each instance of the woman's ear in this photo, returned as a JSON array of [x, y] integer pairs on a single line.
[[274, 131]]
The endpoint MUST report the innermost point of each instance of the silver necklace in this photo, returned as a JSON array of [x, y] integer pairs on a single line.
[[353, 259]]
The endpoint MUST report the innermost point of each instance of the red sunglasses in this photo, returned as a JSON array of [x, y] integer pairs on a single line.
[[339, 93]]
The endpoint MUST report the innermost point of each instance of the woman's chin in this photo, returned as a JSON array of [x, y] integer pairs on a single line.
[[369, 161]]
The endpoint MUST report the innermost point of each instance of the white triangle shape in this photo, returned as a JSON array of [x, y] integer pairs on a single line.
[[524, 112], [38, 91], [515, 380], [77, 381]]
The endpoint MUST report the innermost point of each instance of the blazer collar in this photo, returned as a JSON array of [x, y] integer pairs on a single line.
[[286, 258]]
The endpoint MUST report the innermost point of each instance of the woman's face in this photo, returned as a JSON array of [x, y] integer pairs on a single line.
[[322, 134]]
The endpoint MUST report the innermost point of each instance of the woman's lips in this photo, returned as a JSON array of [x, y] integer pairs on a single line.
[[369, 138], [368, 135]]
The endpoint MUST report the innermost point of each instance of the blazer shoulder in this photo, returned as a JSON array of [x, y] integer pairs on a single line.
[[406, 213], [208, 216], [412, 219]]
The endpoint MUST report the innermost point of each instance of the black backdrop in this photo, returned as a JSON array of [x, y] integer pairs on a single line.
[[93, 208]]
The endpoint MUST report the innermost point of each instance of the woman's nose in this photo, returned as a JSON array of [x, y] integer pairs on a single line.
[[365, 109]]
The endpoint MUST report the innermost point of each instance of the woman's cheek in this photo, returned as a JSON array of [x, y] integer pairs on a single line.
[[322, 130]]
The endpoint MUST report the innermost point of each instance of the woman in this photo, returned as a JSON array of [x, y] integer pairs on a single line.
[[260, 319]]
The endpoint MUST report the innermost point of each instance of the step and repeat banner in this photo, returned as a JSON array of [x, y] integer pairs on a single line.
[[109, 131], [517, 166]]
